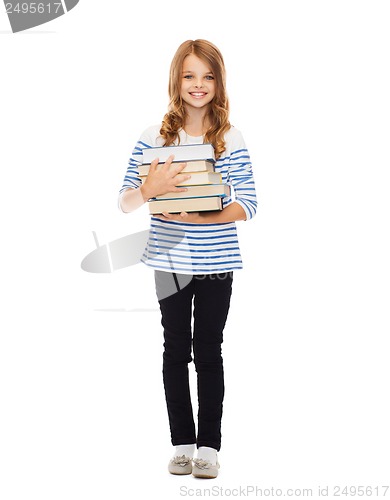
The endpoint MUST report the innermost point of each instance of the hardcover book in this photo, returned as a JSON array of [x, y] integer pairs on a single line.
[[198, 178], [187, 152], [198, 192], [185, 205], [192, 166], [205, 189]]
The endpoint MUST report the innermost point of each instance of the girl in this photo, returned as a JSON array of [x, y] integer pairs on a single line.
[[196, 250]]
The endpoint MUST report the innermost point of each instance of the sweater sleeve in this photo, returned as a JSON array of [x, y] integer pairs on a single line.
[[241, 176], [131, 179]]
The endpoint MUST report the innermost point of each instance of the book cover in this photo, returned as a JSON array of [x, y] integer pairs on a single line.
[[192, 166], [197, 178], [185, 205], [198, 191], [184, 152]]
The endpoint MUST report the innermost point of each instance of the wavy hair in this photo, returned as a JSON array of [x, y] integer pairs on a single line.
[[218, 112]]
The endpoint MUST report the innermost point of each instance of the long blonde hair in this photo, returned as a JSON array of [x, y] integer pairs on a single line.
[[218, 113]]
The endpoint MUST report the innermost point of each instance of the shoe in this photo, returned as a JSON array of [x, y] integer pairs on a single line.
[[204, 468], [180, 465]]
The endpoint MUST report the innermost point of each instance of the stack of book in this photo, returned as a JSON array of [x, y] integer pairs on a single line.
[[204, 189]]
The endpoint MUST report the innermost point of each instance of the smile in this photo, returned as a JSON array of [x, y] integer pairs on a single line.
[[198, 95]]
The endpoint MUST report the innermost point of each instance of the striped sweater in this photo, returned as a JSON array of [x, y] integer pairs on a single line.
[[189, 248]]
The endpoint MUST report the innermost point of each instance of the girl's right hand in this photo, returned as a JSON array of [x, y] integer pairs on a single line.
[[164, 179]]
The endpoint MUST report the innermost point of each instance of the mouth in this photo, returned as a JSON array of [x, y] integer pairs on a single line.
[[198, 95]]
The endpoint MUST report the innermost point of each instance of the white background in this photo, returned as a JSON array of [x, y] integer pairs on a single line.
[[306, 346]]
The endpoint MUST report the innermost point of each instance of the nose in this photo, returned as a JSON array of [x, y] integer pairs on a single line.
[[199, 84]]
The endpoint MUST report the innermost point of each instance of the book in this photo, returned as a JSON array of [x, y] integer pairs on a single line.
[[204, 188], [197, 178], [198, 192], [182, 153], [192, 166], [185, 205]]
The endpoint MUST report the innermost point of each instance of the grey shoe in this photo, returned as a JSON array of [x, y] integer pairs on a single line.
[[180, 465], [204, 468]]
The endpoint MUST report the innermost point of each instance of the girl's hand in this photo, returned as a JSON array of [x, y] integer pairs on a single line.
[[231, 213], [164, 179], [192, 217]]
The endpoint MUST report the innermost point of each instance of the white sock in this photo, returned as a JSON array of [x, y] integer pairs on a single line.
[[206, 453], [185, 449]]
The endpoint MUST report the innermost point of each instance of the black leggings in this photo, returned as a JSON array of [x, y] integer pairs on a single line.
[[211, 294]]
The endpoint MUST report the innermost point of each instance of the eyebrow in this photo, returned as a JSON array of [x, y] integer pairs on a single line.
[[208, 73]]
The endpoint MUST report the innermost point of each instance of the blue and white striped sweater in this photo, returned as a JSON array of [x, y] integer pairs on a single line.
[[198, 248]]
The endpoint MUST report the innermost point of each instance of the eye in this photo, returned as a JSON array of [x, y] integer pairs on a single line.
[[209, 77], [187, 77]]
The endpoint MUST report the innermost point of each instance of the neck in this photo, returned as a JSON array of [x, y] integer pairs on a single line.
[[196, 121]]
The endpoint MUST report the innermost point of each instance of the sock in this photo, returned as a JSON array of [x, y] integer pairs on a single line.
[[206, 453], [185, 449]]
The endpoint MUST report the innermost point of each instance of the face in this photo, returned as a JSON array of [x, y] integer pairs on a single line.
[[198, 85]]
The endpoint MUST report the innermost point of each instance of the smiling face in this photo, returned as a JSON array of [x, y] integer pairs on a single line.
[[198, 84]]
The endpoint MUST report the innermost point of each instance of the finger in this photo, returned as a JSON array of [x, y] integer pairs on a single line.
[[168, 162], [153, 165], [177, 168], [181, 178]]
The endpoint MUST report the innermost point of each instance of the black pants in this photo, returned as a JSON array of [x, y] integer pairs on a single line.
[[210, 294]]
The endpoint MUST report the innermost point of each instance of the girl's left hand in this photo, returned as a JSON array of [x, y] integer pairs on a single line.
[[192, 217]]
